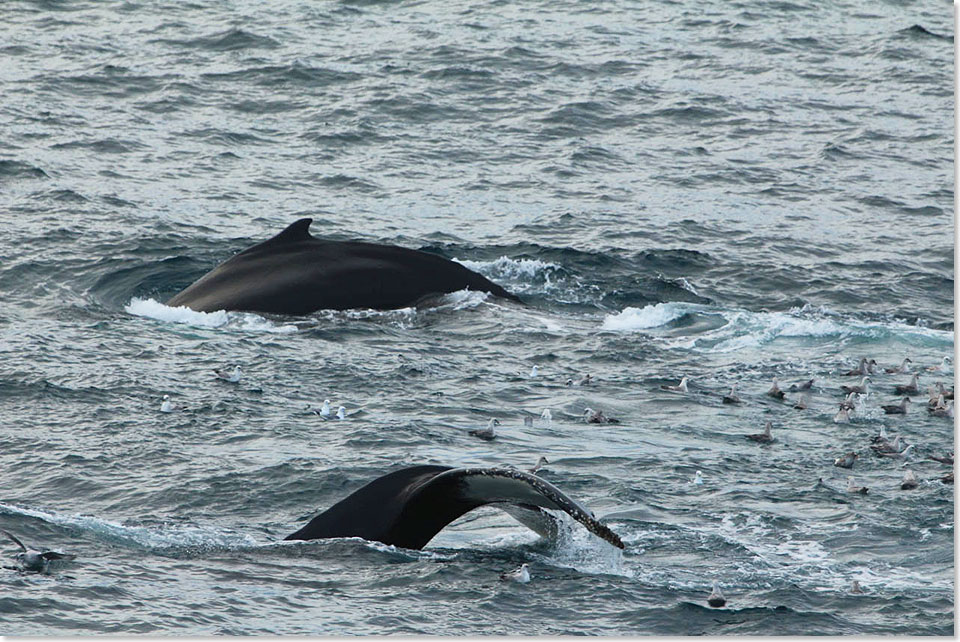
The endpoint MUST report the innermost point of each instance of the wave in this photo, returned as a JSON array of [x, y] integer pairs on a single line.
[[744, 328], [535, 276], [246, 321], [154, 538]]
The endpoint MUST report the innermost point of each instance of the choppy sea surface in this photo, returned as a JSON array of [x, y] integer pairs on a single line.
[[728, 191]]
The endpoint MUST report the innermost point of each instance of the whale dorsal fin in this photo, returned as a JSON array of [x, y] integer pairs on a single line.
[[296, 231]]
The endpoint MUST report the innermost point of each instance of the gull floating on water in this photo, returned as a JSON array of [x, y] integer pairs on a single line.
[[802, 402], [946, 459], [38, 561], [806, 385], [855, 588], [939, 368], [597, 417], [698, 478], [846, 461], [865, 367], [341, 413], [167, 405], [324, 410], [520, 575], [763, 437], [775, 391], [230, 376], [488, 433], [897, 409], [849, 402], [534, 371], [909, 388], [547, 416], [861, 388], [732, 397], [716, 599], [540, 464], [903, 454], [853, 488], [901, 369], [680, 387], [909, 481]]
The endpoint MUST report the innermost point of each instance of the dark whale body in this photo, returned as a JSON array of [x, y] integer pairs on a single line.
[[408, 507], [295, 273]]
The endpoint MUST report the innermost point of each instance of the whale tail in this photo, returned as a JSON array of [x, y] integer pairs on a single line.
[[409, 507]]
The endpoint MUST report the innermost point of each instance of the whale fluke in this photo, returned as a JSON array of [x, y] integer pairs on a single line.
[[408, 507]]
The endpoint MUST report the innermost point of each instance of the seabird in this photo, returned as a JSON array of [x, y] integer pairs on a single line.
[[520, 575], [885, 446], [763, 437], [940, 368], [732, 397], [807, 385], [38, 561], [801, 403], [947, 394], [540, 464], [846, 461], [230, 376], [855, 588], [901, 369], [861, 388], [909, 481], [849, 402], [528, 421], [897, 409], [853, 488], [585, 380], [716, 599], [881, 437], [842, 416], [324, 409], [861, 369], [597, 417], [903, 454], [547, 416], [872, 366], [534, 371], [681, 387], [946, 459], [775, 391], [488, 433], [166, 405], [908, 389], [698, 479], [341, 413]]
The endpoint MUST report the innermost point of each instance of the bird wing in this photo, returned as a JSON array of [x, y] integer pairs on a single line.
[[15, 540]]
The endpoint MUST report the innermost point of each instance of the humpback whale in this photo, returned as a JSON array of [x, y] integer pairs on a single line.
[[408, 507], [296, 273]]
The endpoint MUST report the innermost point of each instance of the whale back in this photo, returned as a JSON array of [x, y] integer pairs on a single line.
[[296, 273]]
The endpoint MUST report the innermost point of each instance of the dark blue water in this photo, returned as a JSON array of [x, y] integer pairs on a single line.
[[729, 192]]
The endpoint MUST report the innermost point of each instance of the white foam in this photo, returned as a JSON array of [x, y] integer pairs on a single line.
[[247, 321], [745, 329], [510, 268], [651, 316], [179, 536]]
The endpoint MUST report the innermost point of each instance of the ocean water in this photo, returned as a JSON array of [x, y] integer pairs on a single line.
[[726, 191]]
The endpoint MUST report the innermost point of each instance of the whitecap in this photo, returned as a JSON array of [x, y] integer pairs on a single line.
[[651, 316]]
